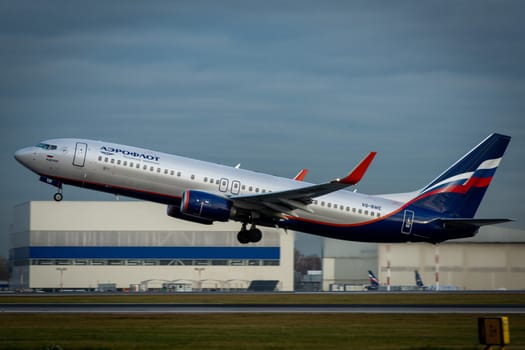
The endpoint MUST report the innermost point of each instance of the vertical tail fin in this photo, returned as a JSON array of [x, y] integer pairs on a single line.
[[419, 281], [458, 191], [374, 282]]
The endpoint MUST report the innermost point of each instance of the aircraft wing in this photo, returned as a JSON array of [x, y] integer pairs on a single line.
[[284, 202]]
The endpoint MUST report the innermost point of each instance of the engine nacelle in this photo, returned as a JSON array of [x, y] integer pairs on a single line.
[[174, 212], [206, 206]]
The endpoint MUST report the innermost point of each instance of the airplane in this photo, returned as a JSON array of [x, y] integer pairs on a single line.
[[375, 285], [205, 192], [419, 280], [374, 282]]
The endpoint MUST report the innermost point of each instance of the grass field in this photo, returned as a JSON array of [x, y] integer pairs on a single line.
[[255, 331]]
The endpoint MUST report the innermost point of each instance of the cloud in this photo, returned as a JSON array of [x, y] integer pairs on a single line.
[[275, 86]]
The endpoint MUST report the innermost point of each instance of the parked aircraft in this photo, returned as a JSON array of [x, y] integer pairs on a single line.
[[376, 286], [374, 282], [419, 280], [205, 192]]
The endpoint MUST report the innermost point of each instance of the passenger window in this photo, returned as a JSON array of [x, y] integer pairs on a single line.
[[205, 179], [192, 177], [172, 172], [145, 167], [257, 189], [151, 168], [99, 158], [118, 162], [329, 205], [158, 170], [179, 174], [112, 161], [106, 160], [166, 171], [125, 163], [250, 188], [322, 204]]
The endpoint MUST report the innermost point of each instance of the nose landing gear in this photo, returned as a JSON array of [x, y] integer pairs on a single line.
[[58, 196], [253, 235]]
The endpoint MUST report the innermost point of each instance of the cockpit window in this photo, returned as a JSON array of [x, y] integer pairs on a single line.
[[46, 146]]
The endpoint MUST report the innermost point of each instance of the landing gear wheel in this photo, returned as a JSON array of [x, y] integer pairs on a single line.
[[58, 197], [243, 237], [255, 235]]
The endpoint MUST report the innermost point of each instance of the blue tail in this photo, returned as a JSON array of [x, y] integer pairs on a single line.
[[374, 282], [458, 191], [419, 281]]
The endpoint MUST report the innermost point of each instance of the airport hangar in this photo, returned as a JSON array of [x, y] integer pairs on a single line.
[[491, 260], [134, 245]]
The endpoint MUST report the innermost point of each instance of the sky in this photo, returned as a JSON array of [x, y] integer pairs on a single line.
[[275, 85]]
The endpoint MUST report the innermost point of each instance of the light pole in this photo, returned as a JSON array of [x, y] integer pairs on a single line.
[[199, 270], [61, 269]]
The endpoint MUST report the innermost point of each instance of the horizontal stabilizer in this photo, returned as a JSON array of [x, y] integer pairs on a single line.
[[470, 223]]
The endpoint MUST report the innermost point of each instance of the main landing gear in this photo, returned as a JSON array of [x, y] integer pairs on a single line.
[[253, 235]]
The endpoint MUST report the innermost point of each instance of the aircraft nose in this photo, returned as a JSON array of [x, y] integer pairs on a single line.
[[24, 155]]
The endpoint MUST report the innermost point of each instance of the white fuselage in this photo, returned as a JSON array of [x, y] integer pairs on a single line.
[[162, 177]]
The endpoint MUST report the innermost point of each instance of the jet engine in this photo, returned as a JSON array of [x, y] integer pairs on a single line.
[[206, 206]]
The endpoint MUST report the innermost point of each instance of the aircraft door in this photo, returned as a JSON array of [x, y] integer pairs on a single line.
[[408, 220], [223, 185], [80, 154]]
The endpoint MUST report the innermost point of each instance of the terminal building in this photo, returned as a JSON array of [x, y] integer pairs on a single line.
[[131, 245]]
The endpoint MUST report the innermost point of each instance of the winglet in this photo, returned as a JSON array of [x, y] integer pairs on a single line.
[[359, 171], [301, 175]]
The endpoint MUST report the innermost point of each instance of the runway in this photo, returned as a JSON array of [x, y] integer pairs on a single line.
[[259, 308]]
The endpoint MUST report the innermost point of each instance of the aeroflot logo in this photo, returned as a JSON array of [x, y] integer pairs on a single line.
[[111, 151]]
